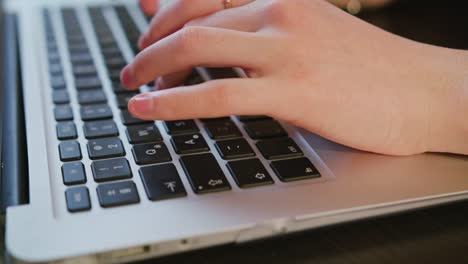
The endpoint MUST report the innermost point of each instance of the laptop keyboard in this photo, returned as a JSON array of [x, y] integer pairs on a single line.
[[103, 144]]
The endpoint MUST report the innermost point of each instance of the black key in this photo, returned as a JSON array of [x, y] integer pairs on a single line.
[[215, 119], [204, 173], [234, 149], [105, 148], [222, 73], [55, 69], [81, 58], [58, 82], [110, 52], [77, 199], [115, 62], [94, 96], [265, 129], [295, 169], [162, 182], [78, 48], [95, 112], [279, 148], [73, 173], [119, 88], [222, 130], [97, 129], [111, 170], [187, 144], [123, 99], [128, 119], [63, 113], [90, 82], [66, 130], [69, 151], [114, 74], [84, 70], [193, 79], [151, 153], [181, 127], [60, 97], [252, 118], [119, 193], [249, 173], [143, 134]]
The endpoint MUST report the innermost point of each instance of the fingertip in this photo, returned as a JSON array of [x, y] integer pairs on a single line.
[[141, 106], [127, 78]]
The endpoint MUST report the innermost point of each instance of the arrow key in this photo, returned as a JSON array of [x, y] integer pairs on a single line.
[[249, 173]]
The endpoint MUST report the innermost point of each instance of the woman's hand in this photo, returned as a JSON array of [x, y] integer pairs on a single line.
[[310, 64]]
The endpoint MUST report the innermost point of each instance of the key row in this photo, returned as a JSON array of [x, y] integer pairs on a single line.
[[163, 181]]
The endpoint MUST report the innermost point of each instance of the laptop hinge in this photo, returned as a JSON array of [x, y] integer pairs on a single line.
[[14, 180]]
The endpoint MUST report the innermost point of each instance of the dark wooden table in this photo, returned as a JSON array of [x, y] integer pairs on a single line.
[[433, 235]]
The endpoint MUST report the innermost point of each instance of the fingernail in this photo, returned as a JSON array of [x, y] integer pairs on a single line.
[[127, 78], [141, 104]]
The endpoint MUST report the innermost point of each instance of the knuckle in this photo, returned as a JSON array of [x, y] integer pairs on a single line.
[[280, 11], [224, 96]]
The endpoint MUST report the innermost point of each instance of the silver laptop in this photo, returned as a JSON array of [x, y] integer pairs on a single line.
[[98, 185]]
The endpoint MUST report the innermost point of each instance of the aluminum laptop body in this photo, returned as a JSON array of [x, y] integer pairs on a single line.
[[347, 185]]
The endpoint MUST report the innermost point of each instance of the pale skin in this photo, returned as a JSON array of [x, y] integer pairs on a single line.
[[310, 64]]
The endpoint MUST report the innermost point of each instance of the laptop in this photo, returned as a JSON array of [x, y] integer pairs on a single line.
[[83, 181]]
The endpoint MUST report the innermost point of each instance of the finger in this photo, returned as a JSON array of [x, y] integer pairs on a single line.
[[198, 46], [246, 18], [207, 100], [177, 13], [149, 7]]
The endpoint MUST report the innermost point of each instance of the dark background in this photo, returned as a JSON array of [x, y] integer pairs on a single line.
[[434, 235]]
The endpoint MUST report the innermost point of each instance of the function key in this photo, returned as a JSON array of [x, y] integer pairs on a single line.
[[69, 151], [264, 129], [295, 169], [60, 97], [234, 149], [279, 148], [105, 148], [95, 112], [222, 130], [119, 193], [187, 144], [94, 96], [143, 134], [97, 129], [249, 173], [77, 199], [151, 153], [110, 170], [63, 113], [73, 173], [162, 182], [204, 173], [66, 130], [181, 127], [128, 119]]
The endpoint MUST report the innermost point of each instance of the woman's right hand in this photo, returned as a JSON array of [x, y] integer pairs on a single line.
[[310, 64]]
